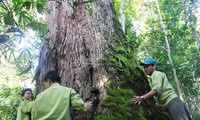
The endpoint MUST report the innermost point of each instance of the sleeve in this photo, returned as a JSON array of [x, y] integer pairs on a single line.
[[157, 82], [77, 102], [27, 106]]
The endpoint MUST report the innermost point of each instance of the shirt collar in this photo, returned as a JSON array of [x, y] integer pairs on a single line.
[[55, 84], [150, 76]]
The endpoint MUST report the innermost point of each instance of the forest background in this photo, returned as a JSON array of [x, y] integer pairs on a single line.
[[167, 31]]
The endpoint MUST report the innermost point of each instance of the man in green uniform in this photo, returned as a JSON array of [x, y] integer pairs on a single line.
[[55, 102], [25, 95], [162, 92]]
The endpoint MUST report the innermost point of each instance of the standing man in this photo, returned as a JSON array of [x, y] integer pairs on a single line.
[[162, 92], [25, 95], [55, 102]]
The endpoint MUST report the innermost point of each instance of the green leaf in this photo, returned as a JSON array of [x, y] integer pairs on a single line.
[[27, 5], [121, 57], [24, 55], [121, 49], [90, 10], [129, 33], [24, 18], [39, 7], [8, 20], [20, 55], [4, 38], [25, 70]]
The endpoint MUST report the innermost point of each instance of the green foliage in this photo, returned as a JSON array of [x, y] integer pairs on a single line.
[[129, 33], [18, 20], [120, 105], [130, 12], [8, 20], [122, 64], [196, 116], [10, 89], [125, 65], [9, 101]]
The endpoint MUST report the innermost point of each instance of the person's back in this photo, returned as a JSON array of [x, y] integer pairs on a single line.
[[54, 103]]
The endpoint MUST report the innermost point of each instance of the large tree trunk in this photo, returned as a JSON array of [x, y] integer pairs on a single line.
[[77, 42]]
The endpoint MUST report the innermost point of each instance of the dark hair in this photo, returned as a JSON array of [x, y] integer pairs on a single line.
[[25, 90], [53, 76]]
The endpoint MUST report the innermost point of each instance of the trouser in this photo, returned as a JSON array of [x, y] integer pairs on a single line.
[[177, 110]]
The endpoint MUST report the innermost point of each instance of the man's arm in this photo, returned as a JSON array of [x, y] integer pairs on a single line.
[[78, 103], [138, 99]]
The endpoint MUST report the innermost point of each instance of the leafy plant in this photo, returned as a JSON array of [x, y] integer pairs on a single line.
[[120, 106], [9, 101], [18, 18]]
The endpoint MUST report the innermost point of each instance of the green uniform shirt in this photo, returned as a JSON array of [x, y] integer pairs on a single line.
[[165, 93], [54, 104], [21, 115]]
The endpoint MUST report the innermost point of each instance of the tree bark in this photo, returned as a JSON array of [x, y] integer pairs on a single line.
[[77, 41]]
